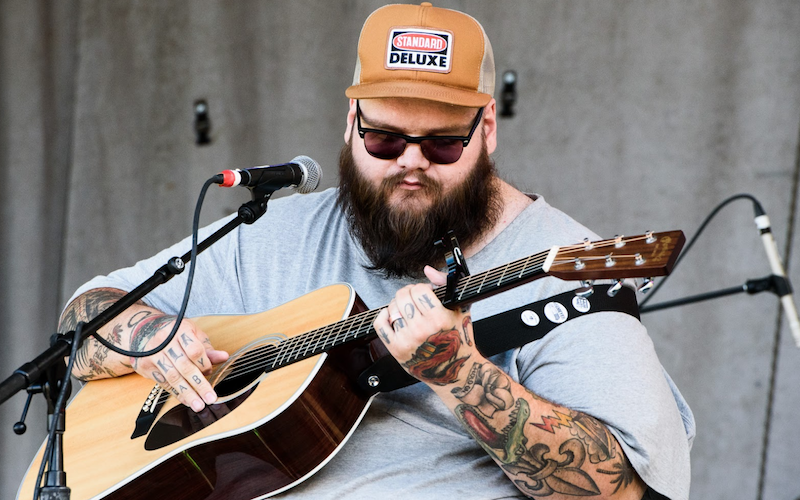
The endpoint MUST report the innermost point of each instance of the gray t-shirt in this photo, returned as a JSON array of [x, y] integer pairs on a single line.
[[409, 445]]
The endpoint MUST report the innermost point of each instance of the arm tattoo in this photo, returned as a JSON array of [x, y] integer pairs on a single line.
[[502, 425], [89, 363], [624, 472], [465, 327]]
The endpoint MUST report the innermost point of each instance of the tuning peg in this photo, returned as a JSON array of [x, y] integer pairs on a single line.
[[586, 289], [615, 288], [646, 285]]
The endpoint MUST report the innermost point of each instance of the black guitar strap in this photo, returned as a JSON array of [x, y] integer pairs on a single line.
[[511, 329]]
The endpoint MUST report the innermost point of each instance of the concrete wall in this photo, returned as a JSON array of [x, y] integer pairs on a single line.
[[631, 116]]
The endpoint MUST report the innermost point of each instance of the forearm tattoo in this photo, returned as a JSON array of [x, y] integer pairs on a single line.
[[92, 358], [504, 426]]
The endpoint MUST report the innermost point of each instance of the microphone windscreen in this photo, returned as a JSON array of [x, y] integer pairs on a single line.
[[312, 174]]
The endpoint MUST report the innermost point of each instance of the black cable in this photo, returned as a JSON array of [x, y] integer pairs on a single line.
[[757, 208], [58, 407], [187, 291]]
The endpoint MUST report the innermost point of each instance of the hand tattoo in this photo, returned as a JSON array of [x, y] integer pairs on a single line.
[[425, 300], [436, 361], [147, 328]]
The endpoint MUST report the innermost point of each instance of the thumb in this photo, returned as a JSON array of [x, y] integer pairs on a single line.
[[436, 277]]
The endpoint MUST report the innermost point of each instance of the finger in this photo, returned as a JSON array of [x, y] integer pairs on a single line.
[[194, 342], [189, 371], [396, 319], [216, 356], [425, 299], [382, 326], [435, 276], [165, 370]]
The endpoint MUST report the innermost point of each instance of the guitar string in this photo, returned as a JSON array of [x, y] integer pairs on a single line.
[[242, 365], [288, 349]]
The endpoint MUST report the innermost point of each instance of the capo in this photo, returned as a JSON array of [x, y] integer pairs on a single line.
[[456, 265]]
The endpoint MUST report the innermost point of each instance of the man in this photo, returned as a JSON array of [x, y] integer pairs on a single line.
[[586, 411]]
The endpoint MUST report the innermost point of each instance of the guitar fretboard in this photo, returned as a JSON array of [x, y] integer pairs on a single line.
[[468, 289]]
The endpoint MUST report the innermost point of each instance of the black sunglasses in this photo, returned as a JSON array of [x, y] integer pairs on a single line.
[[441, 149]]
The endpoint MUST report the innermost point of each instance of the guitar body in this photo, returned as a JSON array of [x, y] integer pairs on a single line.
[[280, 431]]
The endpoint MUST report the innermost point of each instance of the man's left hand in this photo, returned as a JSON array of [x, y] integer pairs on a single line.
[[430, 341]]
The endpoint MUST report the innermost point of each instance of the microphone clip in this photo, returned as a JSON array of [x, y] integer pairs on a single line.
[[778, 285]]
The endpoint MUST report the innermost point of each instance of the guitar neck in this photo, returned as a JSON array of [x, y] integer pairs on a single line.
[[467, 290], [648, 255]]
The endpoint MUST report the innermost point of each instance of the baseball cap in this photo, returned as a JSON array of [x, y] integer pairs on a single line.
[[424, 52]]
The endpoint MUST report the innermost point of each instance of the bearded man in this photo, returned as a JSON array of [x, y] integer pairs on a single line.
[[585, 411]]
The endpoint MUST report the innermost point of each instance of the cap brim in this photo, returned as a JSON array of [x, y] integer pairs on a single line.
[[418, 90]]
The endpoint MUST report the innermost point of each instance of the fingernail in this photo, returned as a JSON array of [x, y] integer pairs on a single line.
[[210, 397], [197, 405]]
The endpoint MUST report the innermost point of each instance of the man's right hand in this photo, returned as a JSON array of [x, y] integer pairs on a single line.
[[180, 367]]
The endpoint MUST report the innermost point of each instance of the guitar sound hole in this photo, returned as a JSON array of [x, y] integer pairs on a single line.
[[244, 371]]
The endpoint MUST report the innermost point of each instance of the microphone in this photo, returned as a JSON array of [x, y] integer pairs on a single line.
[[782, 285], [302, 173]]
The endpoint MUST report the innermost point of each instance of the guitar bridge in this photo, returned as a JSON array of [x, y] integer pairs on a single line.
[[147, 415]]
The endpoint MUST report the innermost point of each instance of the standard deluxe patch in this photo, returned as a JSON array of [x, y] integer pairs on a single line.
[[419, 49]]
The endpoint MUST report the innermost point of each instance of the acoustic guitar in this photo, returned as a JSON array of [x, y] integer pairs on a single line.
[[292, 374]]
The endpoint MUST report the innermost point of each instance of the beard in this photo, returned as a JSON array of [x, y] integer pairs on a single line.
[[400, 242]]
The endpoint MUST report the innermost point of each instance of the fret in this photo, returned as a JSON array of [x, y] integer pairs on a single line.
[[277, 358], [287, 350], [365, 328], [323, 334], [505, 268], [313, 335], [483, 280], [466, 287], [471, 288], [337, 338]]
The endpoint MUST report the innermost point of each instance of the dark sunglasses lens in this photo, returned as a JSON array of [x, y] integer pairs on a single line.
[[383, 146], [442, 151]]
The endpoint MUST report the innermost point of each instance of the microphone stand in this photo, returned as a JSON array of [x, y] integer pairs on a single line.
[[772, 283], [43, 373]]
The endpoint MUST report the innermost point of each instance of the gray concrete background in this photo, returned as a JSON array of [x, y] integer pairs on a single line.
[[631, 116]]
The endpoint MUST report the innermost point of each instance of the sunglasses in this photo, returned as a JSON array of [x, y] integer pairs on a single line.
[[441, 149]]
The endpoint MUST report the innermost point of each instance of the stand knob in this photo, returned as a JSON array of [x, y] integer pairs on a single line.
[[20, 427]]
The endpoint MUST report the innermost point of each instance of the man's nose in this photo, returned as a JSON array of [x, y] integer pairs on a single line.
[[412, 158]]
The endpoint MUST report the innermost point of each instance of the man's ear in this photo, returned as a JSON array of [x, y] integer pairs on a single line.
[[351, 117], [490, 126]]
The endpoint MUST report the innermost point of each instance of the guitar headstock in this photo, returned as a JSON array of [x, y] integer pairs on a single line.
[[647, 255]]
